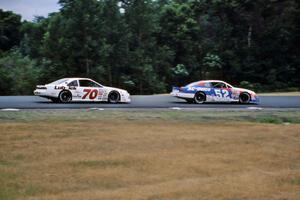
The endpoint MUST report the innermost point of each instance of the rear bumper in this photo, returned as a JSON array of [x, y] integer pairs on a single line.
[[183, 95], [44, 93], [177, 93]]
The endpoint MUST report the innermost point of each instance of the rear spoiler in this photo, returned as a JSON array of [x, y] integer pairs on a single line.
[[175, 88], [41, 87]]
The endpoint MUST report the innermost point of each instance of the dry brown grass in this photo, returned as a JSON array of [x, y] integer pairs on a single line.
[[149, 160]]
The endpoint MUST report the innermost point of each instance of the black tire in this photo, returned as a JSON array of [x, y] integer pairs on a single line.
[[55, 100], [245, 97], [190, 100], [114, 97], [65, 96], [199, 97]]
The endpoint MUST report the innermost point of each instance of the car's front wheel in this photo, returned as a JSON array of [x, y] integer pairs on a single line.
[[244, 97], [199, 97], [114, 97], [65, 96]]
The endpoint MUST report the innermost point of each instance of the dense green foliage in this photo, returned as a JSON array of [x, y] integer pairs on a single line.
[[148, 46]]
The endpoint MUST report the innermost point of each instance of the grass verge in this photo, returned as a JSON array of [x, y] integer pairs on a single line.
[[279, 94], [204, 116]]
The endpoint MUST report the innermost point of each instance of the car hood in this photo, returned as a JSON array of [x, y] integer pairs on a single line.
[[245, 90], [113, 88]]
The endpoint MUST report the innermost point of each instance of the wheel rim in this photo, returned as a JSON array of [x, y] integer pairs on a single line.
[[114, 97], [199, 98], [65, 97], [245, 98]]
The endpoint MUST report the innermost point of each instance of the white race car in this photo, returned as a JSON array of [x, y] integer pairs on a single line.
[[80, 89]]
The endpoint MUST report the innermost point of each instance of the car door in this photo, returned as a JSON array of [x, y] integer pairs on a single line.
[[231, 91], [73, 88], [90, 90], [221, 92]]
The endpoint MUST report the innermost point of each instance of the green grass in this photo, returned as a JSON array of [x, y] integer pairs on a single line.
[[202, 116], [8, 187], [295, 181]]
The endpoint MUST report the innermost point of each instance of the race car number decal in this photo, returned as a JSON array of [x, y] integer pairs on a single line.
[[91, 93], [222, 93]]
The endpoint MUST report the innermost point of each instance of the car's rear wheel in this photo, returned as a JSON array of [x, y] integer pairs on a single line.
[[65, 96], [199, 97], [245, 97], [114, 97]]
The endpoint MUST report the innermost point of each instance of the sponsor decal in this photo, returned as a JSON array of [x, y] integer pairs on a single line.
[[190, 89], [194, 89], [59, 87], [235, 94], [203, 89], [100, 93]]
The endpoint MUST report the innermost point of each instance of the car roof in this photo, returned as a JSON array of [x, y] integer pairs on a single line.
[[208, 81], [73, 79], [211, 81], [77, 78]]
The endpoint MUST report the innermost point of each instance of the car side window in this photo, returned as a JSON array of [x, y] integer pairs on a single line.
[[88, 83], [207, 84], [73, 83], [218, 85]]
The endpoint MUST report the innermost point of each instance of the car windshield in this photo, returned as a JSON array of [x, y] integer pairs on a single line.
[[229, 86], [60, 81]]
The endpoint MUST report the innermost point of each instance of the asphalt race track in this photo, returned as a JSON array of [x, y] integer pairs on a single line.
[[144, 101]]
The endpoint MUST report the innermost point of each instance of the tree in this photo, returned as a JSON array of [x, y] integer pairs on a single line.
[[74, 37], [33, 35], [18, 74], [146, 46], [116, 34], [10, 24], [140, 17]]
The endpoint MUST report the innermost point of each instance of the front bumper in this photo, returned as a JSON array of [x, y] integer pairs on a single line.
[[125, 98], [255, 99]]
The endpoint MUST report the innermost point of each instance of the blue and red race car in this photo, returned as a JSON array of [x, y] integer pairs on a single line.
[[214, 91]]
